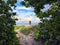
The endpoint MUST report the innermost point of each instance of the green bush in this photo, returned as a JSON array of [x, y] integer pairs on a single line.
[[25, 30], [7, 33], [37, 34]]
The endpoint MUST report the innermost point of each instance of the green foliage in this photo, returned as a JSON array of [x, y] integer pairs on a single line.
[[7, 34], [46, 43], [26, 4], [50, 26], [18, 27], [25, 30], [37, 34], [58, 38]]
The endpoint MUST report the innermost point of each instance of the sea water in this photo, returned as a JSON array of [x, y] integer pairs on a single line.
[[26, 23]]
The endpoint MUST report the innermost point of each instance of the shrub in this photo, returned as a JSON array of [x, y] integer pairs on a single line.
[[25, 30]]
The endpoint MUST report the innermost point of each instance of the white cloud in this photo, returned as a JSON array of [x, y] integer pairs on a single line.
[[25, 15], [27, 19], [24, 8]]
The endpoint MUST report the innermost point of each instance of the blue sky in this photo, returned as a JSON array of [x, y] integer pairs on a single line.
[[26, 14], [23, 11]]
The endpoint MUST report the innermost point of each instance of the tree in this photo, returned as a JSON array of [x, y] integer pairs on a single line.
[[49, 30], [7, 34]]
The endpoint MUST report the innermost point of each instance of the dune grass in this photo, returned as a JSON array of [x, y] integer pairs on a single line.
[[23, 29], [26, 29]]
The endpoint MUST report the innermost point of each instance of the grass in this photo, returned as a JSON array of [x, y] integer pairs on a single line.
[[23, 29], [26, 29], [18, 27]]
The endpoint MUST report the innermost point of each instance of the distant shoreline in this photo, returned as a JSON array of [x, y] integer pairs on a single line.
[[26, 24]]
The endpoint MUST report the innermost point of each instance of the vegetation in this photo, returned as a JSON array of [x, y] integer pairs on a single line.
[[24, 29], [18, 27], [7, 34], [27, 29], [49, 31]]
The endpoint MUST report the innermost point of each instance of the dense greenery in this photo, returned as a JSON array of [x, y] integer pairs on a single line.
[[49, 31], [7, 34]]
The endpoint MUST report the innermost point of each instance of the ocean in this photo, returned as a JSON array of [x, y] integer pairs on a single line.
[[26, 23]]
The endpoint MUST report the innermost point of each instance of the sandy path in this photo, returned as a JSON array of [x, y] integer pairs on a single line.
[[27, 40]]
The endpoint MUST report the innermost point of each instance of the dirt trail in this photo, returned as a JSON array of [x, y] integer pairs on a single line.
[[27, 40]]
